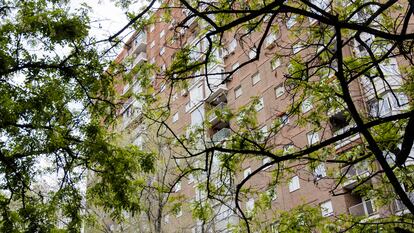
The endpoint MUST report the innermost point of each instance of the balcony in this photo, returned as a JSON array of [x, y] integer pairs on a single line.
[[132, 112], [379, 86], [365, 208], [221, 135], [213, 119], [216, 85], [139, 44], [139, 58], [354, 173], [399, 207], [341, 143]]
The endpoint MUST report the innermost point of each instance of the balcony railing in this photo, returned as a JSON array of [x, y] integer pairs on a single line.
[[213, 119], [140, 43], [399, 206], [365, 208], [140, 57], [347, 140], [354, 173], [221, 135]]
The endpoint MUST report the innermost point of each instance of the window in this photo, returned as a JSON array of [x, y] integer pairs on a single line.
[[177, 186], [163, 87], [259, 106], [162, 33], [235, 66], [288, 149], [152, 27], [152, 44], [279, 90], [197, 117], [175, 117], [250, 205], [187, 106], [152, 61], [162, 51], [247, 172], [307, 105], [319, 171], [196, 95], [232, 46], [291, 21], [255, 78], [263, 131], [327, 209], [190, 178], [275, 63], [284, 119], [175, 97], [387, 104], [238, 92], [313, 137], [294, 184], [270, 39], [252, 54], [265, 161], [297, 48]]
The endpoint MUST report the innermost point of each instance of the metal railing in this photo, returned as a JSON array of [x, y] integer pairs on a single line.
[[354, 172], [365, 208], [221, 135], [213, 116]]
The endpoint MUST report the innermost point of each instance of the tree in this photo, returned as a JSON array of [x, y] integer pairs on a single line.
[[42, 90], [55, 98], [332, 47]]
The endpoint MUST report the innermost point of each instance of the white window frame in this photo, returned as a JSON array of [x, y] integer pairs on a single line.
[[252, 54], [177, 186], [259, 106], [313, 138], [320, 171], [247, 172], [275, 63], [175, 117], [238, 91], [294, 184], [256, 78], [327, 208], [284, 119], [279, 90], [162, 51], [307, 105]]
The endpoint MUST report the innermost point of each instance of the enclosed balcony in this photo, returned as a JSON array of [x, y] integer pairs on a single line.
[[215, 83], [139, 58], [139, 44], [221, 135], [213, 118], [365, 208], [132, 112]]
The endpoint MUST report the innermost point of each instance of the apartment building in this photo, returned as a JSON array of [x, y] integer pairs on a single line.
[[196, 105]]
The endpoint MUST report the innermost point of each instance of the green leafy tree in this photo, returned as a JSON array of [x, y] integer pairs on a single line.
[[335, 61]]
